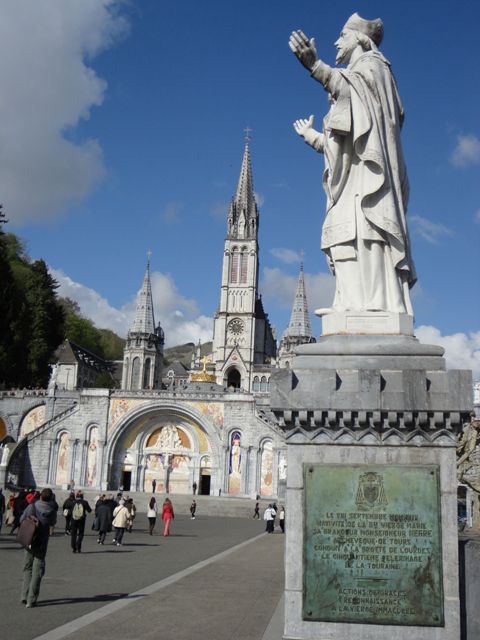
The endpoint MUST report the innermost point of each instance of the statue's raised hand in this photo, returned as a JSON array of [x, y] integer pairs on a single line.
[[302, 125], [303, 48]]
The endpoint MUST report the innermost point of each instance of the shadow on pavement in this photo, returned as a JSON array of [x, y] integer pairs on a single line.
[[104, 597]]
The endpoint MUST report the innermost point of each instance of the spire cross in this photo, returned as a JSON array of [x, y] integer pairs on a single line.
[[247, 132], [149, 254]]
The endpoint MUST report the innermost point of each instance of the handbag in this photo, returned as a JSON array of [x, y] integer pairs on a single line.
[[27, 530]]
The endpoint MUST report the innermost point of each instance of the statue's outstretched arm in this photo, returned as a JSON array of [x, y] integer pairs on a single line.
[[304, 128]]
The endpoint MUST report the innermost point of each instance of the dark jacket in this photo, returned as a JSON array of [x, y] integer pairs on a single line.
[[86, 508], [103, 517], [47, 517], [68, 504]]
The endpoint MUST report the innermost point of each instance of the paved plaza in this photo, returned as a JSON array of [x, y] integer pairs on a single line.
[[216, 578]]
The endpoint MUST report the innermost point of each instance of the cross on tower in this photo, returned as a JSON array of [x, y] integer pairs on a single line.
[[247, 132]]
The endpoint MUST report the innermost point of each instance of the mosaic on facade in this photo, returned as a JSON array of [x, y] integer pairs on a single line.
[[63, 460], [33, 419], [91, 475], [234, 469], [266, 481]]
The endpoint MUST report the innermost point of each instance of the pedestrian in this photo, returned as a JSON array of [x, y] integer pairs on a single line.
[[19, 506], [120, 519], [281, 519], [194, 487], [9, 518], [103, 519], [193, 508], [167, 515], [67, 512], [2, 508], [77, 524], [132, 511], [112, 503], [34, 558], [256, 513], [152, 514], [269, 517], [154, 485]]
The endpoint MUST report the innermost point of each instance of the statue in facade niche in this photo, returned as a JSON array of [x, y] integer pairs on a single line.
[[364, 234]]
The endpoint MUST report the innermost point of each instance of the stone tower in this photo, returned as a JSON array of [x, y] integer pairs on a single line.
[[242, 334], [299, 330], [143, 353]]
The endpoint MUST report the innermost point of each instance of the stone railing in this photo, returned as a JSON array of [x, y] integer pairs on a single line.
[[50, 423]]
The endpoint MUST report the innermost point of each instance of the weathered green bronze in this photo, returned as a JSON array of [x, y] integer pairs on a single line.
[[372, 548]]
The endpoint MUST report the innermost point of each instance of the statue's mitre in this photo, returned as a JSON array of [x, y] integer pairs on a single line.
[[371, 28]]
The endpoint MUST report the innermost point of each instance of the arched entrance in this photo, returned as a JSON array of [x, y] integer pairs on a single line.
[[163, 449], [234, 379]]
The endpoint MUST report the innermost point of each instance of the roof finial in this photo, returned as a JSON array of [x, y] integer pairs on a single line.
[[247, 131], [149, 254]]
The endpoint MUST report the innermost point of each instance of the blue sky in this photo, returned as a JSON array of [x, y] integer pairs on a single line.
[[121, 130]]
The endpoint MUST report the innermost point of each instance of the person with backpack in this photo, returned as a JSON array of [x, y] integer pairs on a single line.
[[120, 519], [77, 525], [34, 559], [67, 512]]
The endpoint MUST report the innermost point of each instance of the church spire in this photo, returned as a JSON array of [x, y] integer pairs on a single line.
[[299, 330], [144, 321], [299, 325], [243, 213]]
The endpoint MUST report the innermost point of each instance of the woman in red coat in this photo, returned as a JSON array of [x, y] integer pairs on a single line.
[[167, 515]]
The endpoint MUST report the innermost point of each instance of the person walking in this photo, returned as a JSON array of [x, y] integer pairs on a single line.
[[194, 487], [167, 515], [77, 524], [34, 558], [154, 485], [19, 506], [103, 518], [269, 517], [256, 513], [120, 519], [193, 508], [281, 519], [132, 511], [152, 515], [67, 512]]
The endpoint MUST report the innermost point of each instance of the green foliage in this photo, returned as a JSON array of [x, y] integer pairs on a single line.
[[35, 321], [32, 319], [104, 380]]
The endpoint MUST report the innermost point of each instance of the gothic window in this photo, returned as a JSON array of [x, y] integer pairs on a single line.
[[263, 384], [234, 266], [135, 374], [243, 266], [256, 384], [146, 374]]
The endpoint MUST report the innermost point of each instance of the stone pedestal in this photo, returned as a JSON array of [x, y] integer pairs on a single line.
[[365, 322], [368, 554]]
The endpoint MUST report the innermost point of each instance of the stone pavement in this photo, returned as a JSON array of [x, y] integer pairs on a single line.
[[216, 578]]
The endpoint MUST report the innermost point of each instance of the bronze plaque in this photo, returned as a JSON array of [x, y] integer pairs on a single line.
[[372, 550]]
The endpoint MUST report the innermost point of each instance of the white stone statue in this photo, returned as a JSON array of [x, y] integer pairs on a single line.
[[364, 234]]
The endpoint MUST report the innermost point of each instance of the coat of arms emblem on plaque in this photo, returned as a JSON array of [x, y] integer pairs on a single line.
[[370, 492]]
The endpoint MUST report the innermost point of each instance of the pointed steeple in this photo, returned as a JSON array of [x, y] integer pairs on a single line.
[[243, 212], [144, 321], [299, 325]]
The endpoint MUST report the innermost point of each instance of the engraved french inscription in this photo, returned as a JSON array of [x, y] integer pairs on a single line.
[[372, 544]]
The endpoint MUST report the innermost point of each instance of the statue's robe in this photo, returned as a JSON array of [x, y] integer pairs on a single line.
[[365, 232]]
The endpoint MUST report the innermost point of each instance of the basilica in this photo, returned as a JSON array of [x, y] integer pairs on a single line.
[[213, 430]]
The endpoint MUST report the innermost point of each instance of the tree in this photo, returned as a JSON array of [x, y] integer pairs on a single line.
[[46, 320]]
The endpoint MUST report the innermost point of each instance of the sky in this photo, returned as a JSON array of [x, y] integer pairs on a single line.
[[122, 131]]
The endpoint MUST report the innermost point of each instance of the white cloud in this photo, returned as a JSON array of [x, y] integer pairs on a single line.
[[259, 198], [467, 151], [462, 350], [92, 305], [289, 256], [280, 288], [171, 211], [179, 316], [47, 88], [428, 230]]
